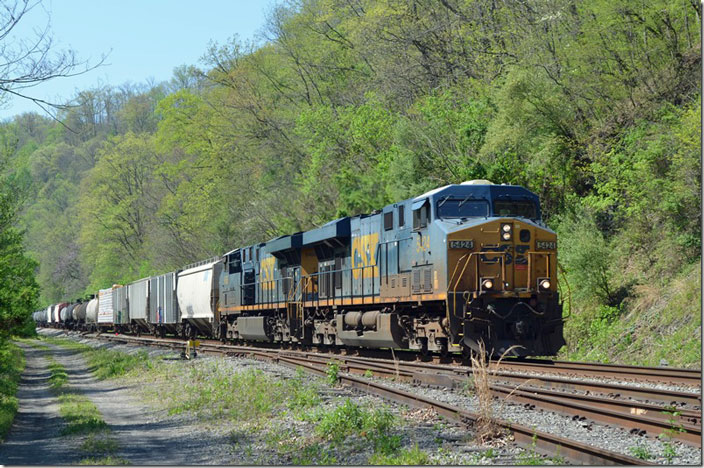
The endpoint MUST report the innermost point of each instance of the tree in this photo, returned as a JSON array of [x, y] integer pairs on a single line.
[[27, 62], [18, 287]]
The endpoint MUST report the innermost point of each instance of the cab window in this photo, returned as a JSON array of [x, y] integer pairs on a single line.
[[515, 208], [421, 216], [462, 208]]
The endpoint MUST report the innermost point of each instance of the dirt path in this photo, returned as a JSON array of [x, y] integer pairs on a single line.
[[144, 436], [34, 437]]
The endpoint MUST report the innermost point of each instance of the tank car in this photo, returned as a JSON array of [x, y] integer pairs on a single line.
[[92, 315], [79, 315], [58, 320]]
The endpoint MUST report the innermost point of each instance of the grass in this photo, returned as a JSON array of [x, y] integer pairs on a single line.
[[412, 456], [104, 363], [98, 442], [211, 390], [59, 376], [640, 451], [660, 322], [80, 414], [314, 454], [109, 460], [11, 367]]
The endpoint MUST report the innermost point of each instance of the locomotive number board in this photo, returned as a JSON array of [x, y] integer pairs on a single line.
[[461, 244], [546, 245]]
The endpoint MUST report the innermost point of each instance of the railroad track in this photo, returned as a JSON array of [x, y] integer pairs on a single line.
[[676, 413], [640, 417], [690, 377]]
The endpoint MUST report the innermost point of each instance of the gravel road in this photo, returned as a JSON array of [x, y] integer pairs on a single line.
[[34, 437]]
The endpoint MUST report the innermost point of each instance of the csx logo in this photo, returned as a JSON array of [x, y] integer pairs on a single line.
[[266, 272], [363, 255], [423, 243]]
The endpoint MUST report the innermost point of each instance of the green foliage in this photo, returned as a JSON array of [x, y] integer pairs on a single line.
[[58, 377], [247, 395], [351, 419], [11, 367], [333, 373], [313, 454], [80, 414], [408, 457], [640, 451], [592, 105], [109, 364], [109, 460]]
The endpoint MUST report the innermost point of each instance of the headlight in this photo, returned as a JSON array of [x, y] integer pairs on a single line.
[[544, 284], [487, 283], [506, 232]]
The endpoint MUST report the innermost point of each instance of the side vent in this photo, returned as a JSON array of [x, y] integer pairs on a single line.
[[428, 280], [415, 284]]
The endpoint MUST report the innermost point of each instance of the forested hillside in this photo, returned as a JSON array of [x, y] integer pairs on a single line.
[[347, 105]]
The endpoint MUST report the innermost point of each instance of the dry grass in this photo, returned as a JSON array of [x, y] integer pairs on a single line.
[[486, 426]]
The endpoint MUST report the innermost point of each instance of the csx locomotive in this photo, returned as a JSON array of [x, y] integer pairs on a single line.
[[440, 272]]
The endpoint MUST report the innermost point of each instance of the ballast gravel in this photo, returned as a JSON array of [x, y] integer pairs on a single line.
[[445, 442], [224, 443], [606, 380], [607, 437]]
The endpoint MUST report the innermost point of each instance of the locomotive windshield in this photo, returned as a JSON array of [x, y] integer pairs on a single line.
[[462, 208], [515, 208]]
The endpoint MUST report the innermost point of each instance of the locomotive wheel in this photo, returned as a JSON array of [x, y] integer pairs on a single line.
[[424, 353]]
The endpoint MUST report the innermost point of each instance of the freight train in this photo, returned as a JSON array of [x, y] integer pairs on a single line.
[[441, 272]]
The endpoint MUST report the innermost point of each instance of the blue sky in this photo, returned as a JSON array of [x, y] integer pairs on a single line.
[[143, 38]]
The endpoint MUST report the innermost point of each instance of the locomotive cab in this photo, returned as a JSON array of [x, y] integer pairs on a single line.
[[501, 267]]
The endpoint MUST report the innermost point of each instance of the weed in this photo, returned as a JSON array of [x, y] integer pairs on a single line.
[[333, 373], [468, 386], [486, 427], [314, 454], [669, 452], [351, 419], [412, 456], [490, 454], [668, 434], [675, 425], [368, 373], [33, 343], [530, 456], [99, 443], [105, 363], [58, 377], [11, 367], [108, 364], [109, 460], [302, 394], [640, 451], [80, 414]]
